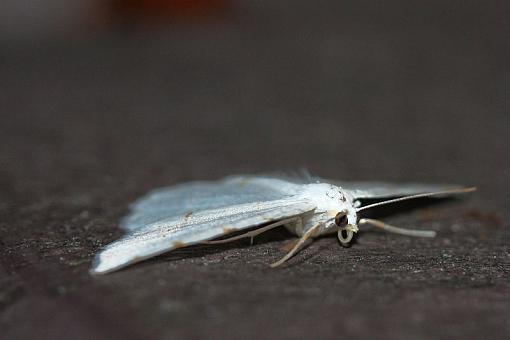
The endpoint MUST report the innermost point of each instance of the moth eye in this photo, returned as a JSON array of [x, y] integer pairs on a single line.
[[341, 219]]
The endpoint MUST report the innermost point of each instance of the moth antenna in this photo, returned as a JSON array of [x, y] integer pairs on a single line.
[[298, 245], [427, 194], [397, 230]]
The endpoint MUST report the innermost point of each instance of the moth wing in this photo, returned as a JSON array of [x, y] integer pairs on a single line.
[[168, 234], [381, 190], [190, 197]]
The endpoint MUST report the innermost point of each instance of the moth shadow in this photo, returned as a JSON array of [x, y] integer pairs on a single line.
[[200, 250]]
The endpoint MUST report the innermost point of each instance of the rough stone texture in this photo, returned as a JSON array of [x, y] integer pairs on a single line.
[[396, 91]]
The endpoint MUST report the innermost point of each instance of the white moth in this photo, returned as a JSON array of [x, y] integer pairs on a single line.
[[199, 212]]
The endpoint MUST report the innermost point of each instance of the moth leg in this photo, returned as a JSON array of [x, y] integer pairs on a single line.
[[309, 233], [256, 232], [397, 230]]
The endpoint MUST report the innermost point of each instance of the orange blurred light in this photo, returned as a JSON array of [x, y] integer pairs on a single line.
[[166, 9]]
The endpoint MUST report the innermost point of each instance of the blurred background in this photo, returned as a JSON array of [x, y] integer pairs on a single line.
[[146, 92], [101, 100]]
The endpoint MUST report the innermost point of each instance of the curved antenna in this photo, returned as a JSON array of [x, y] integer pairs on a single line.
[[427, 194], [397, 230]]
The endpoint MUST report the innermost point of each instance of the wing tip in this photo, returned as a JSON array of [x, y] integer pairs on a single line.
[[96, 270], [100, 267], [105, 262]]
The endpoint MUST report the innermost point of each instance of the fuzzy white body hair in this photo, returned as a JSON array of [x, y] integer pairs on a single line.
[[329, 200]]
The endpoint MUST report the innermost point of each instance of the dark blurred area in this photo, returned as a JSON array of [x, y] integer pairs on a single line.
[[103, 100], [134, 87]]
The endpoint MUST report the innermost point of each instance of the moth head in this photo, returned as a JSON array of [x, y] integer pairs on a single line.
[[347, 226]]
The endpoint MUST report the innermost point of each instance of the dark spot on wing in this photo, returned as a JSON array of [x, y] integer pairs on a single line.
[[228, 230], [178, 244]]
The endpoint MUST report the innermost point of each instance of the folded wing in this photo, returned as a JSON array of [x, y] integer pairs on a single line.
[[175, 232], [174, 201]]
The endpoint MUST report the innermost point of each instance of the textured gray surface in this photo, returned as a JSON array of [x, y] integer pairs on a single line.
[[397, 92]]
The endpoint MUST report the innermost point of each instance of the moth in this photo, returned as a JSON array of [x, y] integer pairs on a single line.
[[203, 211]]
